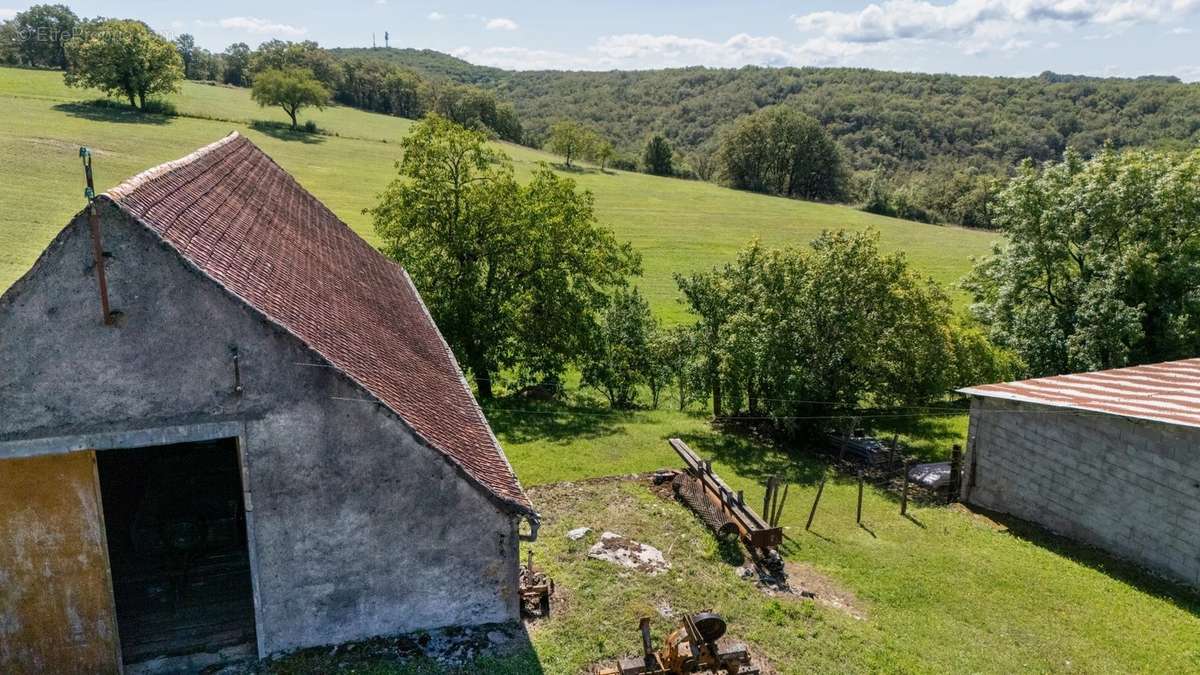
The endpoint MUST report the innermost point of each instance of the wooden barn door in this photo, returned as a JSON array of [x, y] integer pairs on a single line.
[[56, 607]]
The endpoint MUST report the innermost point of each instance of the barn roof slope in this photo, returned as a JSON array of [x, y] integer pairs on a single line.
[[1161, 392], [246, 223]]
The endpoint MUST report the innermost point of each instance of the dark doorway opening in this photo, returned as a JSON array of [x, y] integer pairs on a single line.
[[176, 527]]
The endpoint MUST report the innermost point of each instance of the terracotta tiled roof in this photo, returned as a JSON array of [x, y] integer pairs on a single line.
[[246, 223], [1162, 392]]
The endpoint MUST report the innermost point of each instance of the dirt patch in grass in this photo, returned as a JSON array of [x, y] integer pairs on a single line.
[[804, 579]]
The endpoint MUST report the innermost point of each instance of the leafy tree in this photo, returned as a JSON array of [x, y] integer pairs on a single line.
[[781, 151], [657, 157], [804, 332], [42, 33], [674, 353], [185, 44], [292, 90], [237, 65], [603, 153], [10, 43], [207, 65], [1102, 262], [514, 275], [282, 55], [708, 297], [124, 57], [571, 140], [621, 361]]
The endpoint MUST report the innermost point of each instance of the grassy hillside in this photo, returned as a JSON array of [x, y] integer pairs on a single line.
[[677, 225]]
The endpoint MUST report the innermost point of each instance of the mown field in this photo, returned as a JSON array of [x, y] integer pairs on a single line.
[[677, 225], [944, 591]]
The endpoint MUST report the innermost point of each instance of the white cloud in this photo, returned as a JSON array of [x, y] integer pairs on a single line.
[[521, 58], [635, 50], [741, 49], [982, 25], [500, 23], [1180, 30], [1189, 73], [435, 16], [7, 13], [252, 24]]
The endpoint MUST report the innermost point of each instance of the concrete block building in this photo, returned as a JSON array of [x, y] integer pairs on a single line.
[[266, 443], [1110, 458]]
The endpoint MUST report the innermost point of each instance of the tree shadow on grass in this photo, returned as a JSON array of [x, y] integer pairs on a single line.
[[1183, 597], [931, 438], [521, 421], [284, 132], [104, 110], [575, 168], [754, 458]]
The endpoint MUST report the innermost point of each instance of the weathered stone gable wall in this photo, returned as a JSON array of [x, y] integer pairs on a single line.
[[1131, 487], [359, 529]]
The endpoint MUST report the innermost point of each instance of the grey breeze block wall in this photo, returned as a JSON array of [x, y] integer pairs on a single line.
[[359, 528], [1131, 487]]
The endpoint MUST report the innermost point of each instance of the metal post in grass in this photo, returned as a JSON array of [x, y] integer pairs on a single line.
[[846, 439], [816, 500], [904, 492], [955, 473], [858, 514]]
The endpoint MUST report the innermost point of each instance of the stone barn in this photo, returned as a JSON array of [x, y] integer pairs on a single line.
[[264, 445], [1111, 458]]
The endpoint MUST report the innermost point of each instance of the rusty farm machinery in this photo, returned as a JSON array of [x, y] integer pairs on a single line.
[[694, 647], [726, 512], [535, 588]]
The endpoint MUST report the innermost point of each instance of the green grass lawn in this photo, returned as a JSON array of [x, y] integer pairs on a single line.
[[946, 590], [677, 225]]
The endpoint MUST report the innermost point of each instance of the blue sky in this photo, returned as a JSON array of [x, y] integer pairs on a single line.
[[1002, 37]]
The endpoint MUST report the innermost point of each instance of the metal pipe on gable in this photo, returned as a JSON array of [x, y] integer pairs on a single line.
[[94, 224]]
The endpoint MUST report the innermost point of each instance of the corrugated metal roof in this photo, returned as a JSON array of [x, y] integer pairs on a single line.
[[246, 223], [1163, 392]]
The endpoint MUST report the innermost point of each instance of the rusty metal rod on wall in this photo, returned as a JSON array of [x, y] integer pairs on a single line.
[[94, 225]]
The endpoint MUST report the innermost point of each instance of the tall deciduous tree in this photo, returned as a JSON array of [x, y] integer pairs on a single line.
[[570, 139], [237, 64], [513, 274], [42, 33], [781, 151], [282, 55], [622, 359], [603, 152], [657, 158], [293, 90], [124, 57], [1102, 262], [185, 44]]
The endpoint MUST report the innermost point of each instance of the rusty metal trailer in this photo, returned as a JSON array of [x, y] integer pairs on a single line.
[[713, 499]]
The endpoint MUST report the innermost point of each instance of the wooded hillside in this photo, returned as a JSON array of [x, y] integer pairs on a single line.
[[897, 121]]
